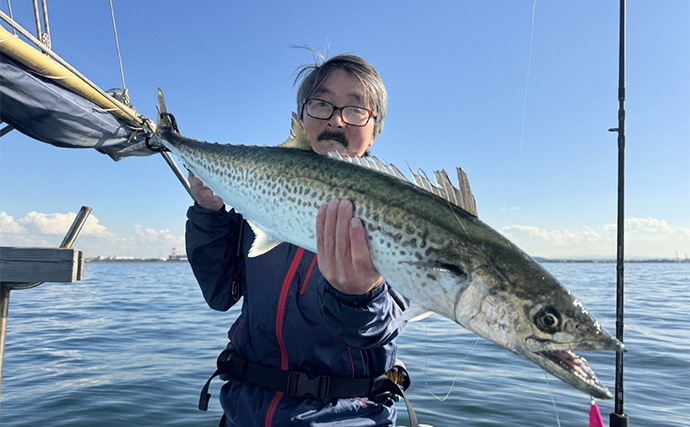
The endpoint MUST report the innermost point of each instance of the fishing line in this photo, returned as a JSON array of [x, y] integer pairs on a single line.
[[548, 387], [450, 206], [457, 374], [426, 348], [524, 98]]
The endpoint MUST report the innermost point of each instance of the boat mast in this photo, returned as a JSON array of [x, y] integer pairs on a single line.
[[618, 418]]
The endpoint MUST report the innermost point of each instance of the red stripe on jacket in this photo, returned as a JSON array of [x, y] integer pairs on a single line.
[[306, 280], [282, 302]]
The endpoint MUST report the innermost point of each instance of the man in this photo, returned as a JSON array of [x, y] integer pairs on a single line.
[[337, 321]]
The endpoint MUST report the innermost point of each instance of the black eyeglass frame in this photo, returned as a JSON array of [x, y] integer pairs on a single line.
[[340, 109]]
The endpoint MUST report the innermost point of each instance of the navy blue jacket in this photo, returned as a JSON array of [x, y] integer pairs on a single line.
[[292, 319]]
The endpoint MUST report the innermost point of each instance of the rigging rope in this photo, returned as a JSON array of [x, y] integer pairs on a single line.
[[38, 20], [119, 56], [46, 34], [42, 35], [9, 9]]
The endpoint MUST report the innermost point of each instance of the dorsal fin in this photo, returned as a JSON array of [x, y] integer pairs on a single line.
[[461, 197], [299, 138], [370, 163], [464, 191]]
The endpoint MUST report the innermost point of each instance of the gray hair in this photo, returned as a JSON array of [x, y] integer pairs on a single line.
[[313, 75]]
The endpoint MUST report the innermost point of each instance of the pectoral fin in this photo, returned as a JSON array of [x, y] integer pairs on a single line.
[[263, 241]]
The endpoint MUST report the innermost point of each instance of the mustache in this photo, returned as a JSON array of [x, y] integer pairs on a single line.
[[333, 135]]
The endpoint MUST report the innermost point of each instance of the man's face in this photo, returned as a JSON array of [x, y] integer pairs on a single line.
[[340, 89]]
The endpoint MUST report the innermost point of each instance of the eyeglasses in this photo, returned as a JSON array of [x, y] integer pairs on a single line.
[[352, 115]]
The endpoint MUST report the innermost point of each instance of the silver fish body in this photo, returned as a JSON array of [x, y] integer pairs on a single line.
[[433, 252]]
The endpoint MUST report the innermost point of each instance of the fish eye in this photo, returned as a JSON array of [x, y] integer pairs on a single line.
[[548, 320]]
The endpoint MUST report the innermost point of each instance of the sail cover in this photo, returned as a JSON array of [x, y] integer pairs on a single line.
[[41, 109]]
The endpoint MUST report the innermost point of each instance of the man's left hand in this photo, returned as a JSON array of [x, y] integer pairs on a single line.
[[342, 250]]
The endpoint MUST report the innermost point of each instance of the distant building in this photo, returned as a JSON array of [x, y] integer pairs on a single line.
[[177, 257]]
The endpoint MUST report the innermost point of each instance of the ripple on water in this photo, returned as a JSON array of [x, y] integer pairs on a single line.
[[133, 344]]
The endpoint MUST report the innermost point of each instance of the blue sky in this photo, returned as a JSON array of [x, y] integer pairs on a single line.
[[529, 129]]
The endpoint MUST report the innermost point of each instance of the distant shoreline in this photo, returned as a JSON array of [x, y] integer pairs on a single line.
[[613, 261]]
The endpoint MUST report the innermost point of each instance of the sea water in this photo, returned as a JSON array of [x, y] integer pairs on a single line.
[[133, 343]]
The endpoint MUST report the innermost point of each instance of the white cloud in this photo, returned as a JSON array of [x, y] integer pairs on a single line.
[[58, 224], [644, 237], [8, 225], [159, 237], [47, 230]]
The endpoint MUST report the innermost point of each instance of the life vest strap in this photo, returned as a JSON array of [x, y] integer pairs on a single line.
[[299, 384]]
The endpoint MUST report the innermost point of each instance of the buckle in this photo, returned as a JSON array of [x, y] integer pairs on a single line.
[[385, 389], [300, 384]]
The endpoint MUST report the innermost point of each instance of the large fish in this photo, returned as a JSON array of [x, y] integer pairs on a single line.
[[437, 254]]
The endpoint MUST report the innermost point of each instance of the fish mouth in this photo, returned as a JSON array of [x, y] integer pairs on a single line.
[[571, 369]]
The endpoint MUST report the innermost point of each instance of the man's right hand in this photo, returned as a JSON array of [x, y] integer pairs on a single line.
[[203, 195]]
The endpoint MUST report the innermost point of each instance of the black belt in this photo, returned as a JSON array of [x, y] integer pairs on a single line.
[[299, 384]]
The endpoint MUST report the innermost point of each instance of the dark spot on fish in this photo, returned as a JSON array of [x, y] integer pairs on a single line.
[[430, 250], [412, 242], [431, 276], [418, 256]]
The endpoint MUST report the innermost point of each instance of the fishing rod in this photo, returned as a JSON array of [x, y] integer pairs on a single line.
[[618, 418]]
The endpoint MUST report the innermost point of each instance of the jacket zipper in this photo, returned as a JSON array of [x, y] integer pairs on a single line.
[[280, 317]]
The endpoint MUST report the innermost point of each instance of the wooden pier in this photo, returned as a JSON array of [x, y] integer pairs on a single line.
[[26, 268]]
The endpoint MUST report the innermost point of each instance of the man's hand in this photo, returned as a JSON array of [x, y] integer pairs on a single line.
[[203, 195], [342, 250]]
